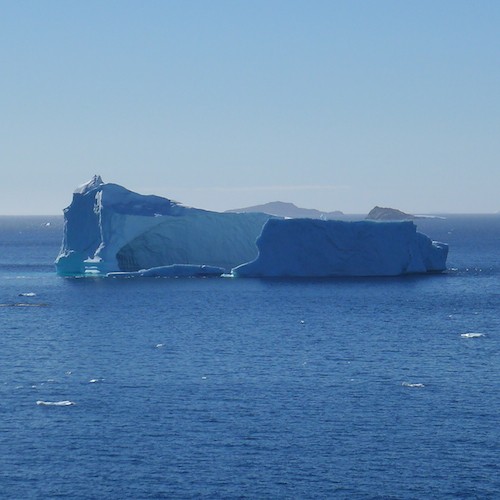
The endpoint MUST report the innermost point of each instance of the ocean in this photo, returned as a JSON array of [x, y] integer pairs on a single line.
[[379, 388]]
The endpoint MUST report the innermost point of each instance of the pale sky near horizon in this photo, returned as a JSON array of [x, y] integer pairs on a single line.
[[334, 105]]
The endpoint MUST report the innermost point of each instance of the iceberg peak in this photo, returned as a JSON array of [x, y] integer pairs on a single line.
[[95, 182]]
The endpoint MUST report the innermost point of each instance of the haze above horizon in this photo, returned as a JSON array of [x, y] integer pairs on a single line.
[[332, 105]]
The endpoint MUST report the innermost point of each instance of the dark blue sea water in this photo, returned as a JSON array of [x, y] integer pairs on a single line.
[[220, 388]]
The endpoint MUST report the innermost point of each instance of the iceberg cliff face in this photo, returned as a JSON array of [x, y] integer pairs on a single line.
[[109, 229], [314, 248]]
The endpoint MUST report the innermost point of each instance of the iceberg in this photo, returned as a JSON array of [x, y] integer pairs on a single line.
[[108, 229], [111, 231], [317, 248]]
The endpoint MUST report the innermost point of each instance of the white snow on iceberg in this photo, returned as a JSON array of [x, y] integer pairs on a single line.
[[111, 231]]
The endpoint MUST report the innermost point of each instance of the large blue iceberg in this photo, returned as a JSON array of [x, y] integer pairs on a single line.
[[111, 231], [306, 247]]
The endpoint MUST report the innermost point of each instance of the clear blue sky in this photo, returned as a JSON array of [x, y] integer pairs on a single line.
[[223, 104]]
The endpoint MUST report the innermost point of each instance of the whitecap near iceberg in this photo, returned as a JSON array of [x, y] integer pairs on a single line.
[[111, 231]]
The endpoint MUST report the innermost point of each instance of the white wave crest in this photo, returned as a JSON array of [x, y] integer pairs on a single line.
[[55, 403], [471, 335], [409, 384]]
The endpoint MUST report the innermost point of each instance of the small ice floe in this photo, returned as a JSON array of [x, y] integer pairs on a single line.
[[471, 335], [172, 271], [27, 294], [55, 403], [410, 384]]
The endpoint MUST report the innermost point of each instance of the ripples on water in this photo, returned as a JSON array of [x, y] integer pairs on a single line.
[[220, 388]]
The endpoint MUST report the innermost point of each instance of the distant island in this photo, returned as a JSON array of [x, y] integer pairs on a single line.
[[289, 210], [384, 213]]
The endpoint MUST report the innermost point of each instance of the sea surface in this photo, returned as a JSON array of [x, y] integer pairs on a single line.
[[380, 388]]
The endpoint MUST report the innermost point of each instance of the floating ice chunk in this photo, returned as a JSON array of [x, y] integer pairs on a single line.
[[471, 335], [410, 384], [172, 271], [55, 403]]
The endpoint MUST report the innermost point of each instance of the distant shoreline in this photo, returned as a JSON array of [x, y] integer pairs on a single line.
[[439, 215]]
